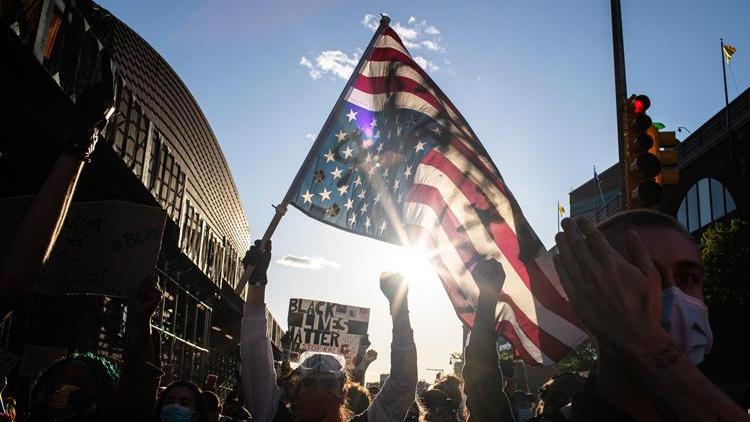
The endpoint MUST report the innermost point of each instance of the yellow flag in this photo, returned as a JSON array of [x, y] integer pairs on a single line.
[[728, 52], [560, 209]]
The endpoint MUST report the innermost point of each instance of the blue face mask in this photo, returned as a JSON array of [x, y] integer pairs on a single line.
[[686, 319], [176, 413], [524, 415]]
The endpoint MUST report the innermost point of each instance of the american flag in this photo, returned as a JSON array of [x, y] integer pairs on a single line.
[[397, 162]]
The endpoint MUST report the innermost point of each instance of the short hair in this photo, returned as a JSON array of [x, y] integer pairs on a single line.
[[634, 219]]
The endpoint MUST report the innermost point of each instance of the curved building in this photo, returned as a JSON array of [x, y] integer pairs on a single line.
[[158, 150]]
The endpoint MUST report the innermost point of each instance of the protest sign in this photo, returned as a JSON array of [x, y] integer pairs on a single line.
[[104, 248], [319, 326]]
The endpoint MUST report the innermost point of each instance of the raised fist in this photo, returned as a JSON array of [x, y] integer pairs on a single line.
[[393, 286], [370, 356]]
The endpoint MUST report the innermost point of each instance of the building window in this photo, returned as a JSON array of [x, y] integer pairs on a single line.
[[184, 331], [166, 180], [192, 226], [706, 201], [130, 133]]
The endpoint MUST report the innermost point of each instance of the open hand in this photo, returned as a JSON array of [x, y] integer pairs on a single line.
[[617, 298]]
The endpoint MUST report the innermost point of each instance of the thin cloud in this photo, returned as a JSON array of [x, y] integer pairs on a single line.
[[371, 21], [426, 64], [333, 63], [307, 262], [417, 35]]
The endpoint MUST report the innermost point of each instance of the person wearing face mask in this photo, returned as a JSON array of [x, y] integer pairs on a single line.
[[636, 282], [182, 401], [319, 395]]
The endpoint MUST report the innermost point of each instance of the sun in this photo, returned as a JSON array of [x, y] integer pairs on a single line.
[[414, 264]]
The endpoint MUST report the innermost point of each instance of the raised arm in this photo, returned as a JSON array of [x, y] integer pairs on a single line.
[[37, 231], [397, 394], [483, 381], [258, 375], [141, 372]]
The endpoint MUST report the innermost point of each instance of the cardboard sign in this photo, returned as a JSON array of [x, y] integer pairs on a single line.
[[104, 248], [319, 326]]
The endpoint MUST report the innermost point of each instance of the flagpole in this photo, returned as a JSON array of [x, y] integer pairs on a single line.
[[726, 98], [726, 93], [558, 216], [282, 207]]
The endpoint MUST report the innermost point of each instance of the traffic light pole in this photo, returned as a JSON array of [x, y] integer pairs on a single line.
[[621, 93]]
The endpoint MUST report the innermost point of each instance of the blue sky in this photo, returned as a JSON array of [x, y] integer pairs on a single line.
[[533, 78]]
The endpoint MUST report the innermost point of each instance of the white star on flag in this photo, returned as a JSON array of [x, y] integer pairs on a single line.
[[347, 152], [382, 227], [364, 208], [349, 204], [307, 196], [326, 194], [336, 173], [407, 172], [420, 146], [341, 136], [329, 156], [352, 115], [343, 189]]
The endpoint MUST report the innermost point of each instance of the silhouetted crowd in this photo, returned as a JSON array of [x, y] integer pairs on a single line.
[[634, 281]]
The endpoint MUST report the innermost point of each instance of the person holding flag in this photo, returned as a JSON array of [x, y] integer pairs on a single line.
[[396, 161], [320, 392]]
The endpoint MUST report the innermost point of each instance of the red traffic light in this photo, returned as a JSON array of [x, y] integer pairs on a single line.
[[640, 104]]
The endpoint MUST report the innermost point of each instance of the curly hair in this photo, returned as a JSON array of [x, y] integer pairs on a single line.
[[357, 398]]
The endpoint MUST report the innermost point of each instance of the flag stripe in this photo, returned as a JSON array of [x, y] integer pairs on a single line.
[[427, 79], [374, 69], [461, 220], [504, 238], [400, 100], [388, 85], [389, 56], [445, 243], [462, 242]]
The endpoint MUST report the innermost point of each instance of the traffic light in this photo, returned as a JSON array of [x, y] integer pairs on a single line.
[[666, 150], [642, 164]]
